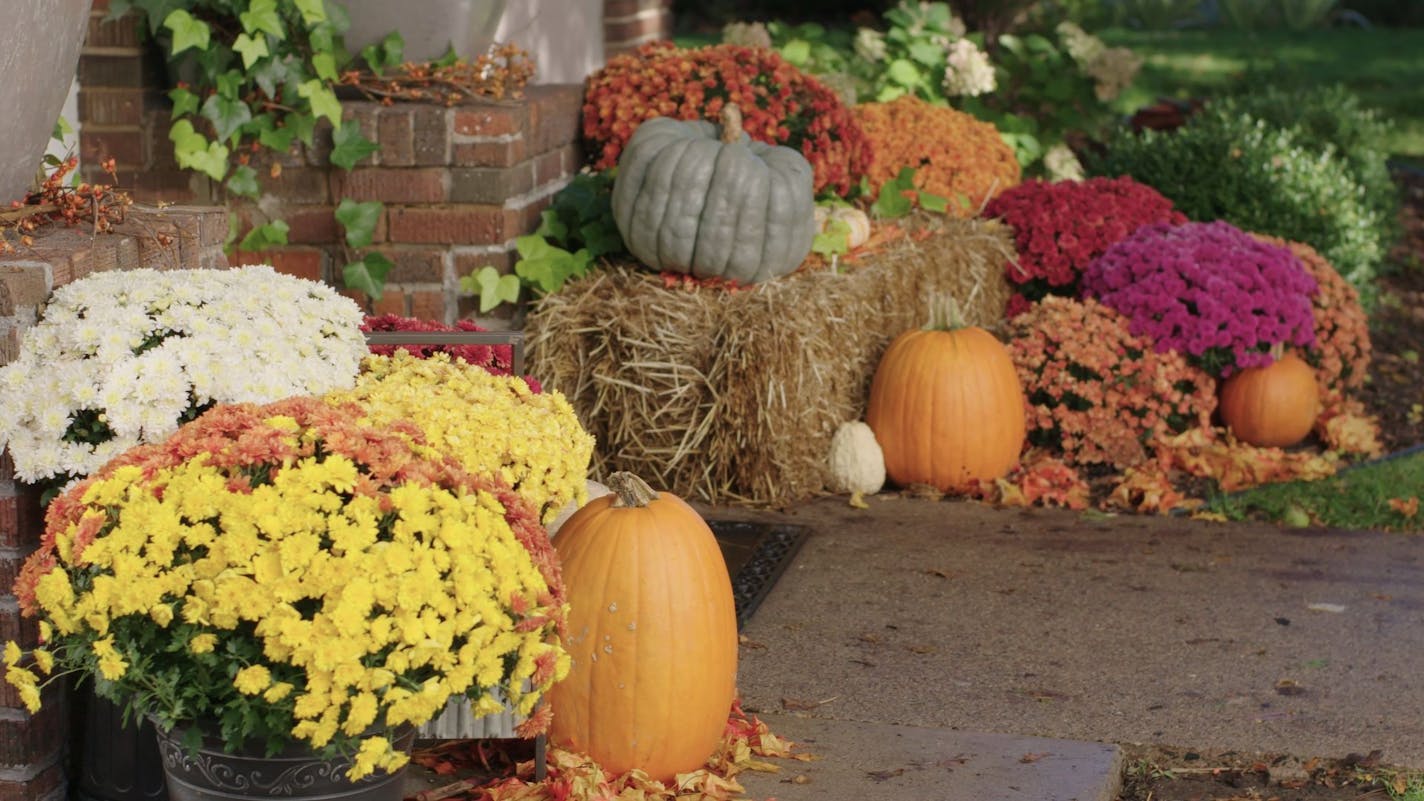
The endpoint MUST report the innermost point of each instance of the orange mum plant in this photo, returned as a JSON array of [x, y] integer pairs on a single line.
[[954, 155]]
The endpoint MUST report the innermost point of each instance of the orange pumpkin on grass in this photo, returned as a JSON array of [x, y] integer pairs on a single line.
[[946, 405], [1271, 406], [652, 631]]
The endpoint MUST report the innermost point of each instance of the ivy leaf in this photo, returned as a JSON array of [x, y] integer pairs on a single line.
[[360, 220], [272, 137], [62, 128], [323, 101], [267, 235], [312, 11], [193, 151], [188, 31], [492, 287], [449, 59], [325, 66], [601, 238], [302, 126], [835, 240], [936, 203], [261, 16], [349, 146], [892, 202], [227, 115], [243, 181], [387, 53], [368, 274], [551, 227], [270, 74], [252, 50], [184, 102]]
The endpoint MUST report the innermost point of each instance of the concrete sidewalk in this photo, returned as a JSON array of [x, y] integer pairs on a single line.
[[951, 617]]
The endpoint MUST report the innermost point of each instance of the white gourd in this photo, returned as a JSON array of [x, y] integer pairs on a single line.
[[857, 463]]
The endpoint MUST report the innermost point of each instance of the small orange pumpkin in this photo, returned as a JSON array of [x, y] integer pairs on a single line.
[[1271, 406], [946, 405], [652, 631]]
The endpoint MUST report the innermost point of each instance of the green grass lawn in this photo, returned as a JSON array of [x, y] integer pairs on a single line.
[[1353, 499], [1383, 65]]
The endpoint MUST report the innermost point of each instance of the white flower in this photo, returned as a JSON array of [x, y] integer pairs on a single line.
[[870, 45], [1062, 164], [967, 72], [138, 348]]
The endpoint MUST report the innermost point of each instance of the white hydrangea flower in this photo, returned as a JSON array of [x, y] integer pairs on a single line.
[[137, 349], [1062, 164], [968, 72], [869, 45]]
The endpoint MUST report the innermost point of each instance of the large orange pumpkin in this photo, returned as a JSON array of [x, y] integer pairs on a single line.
[[946, 405], [1271, 406], [652, 632]]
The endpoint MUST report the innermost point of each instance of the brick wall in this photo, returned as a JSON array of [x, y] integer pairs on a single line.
[[459, 184], [32, 747]]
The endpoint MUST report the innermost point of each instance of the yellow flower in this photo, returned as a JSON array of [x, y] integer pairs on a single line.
[[162, 614], [44, 660], [111, 665], [27, 684], [277, 692], [203, 643], [13, 654], [252, 679]]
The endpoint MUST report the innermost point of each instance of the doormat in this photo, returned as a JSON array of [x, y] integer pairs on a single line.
[[756, 554]]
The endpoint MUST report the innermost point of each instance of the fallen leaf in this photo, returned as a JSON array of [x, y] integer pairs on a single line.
[[799, 778], [1289, 687], [857, 500], [1409, 507], [1030, 758]]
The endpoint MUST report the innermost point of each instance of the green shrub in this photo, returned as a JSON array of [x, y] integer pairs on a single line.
[[1230, 166]]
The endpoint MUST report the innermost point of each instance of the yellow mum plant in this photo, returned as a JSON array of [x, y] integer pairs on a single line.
[[492, 425], [290, 572]]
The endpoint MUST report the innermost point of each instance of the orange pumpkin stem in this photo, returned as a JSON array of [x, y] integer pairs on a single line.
[[945, 314], [731, 119], [630, 491]]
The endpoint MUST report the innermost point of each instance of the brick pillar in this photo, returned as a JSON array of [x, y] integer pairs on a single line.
[[32, 747], [630, 23]]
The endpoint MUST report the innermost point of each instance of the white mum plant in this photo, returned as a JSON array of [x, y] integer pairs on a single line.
[[122, 358]]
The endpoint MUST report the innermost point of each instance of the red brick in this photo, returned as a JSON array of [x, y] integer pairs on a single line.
[[490, 121], [396, 127], [125, 145], [468, 262], [117, 70], [300, 262], [392, 302], [415, 264], [493, 185], [555, 113], [34, 738], [431, 143], [452, 225], [111, 106], [21, 286], [365, 115], [490, 152], [555, 165], [45, 782], [299, 185], [427, 304], [21, 519], [312, 225], [108, 34], [23, 630], [391, 185]]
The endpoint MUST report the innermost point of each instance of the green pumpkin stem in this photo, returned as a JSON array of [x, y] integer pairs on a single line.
[[1278, 350], [731, 119], [945, 314], [630, 491]]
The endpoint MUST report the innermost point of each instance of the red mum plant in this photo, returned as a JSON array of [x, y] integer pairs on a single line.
[[1060, 228], [1097, 393], [780, 105], [495, 359]]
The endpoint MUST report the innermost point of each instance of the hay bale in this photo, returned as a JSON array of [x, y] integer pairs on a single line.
[[733, 396]]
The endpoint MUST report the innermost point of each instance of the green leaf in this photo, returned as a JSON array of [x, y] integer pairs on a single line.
[[350, 146], [261, 16], [188, 31], [797, 51], [325, 66], [387, 53], [835, 240], [892, 202], [193, 151], [360, 220], [551, 227], [227, 115], [932, 202], [265, 236], [368, 274], [312, 11], [448, 59], [252, 50], [271, 74], [243, 181], [927, 53], [492, 287], [303, 127], [903, 72], [62, 128], [323, 101], [272, 137], [184, 102]]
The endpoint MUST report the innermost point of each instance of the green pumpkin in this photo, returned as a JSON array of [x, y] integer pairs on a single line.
[[689, 201]]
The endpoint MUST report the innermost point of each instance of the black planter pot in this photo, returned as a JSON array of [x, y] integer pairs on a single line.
[[211, 774], [112, 761]]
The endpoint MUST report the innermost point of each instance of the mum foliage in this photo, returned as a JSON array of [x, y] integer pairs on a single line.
[[1061, 227], [1208, 290], [492, 425], [291, 573], [780, 105], [1097, 393], [122, 358], [953, 154]]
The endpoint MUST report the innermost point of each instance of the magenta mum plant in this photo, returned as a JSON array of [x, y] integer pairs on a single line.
[[1216, 294]]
